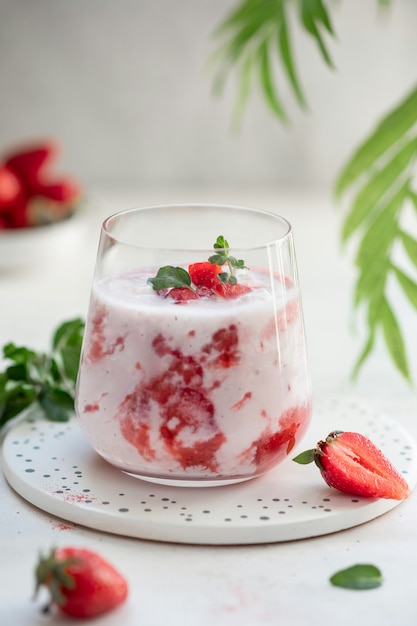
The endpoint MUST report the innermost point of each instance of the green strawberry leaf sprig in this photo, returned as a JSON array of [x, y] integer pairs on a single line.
[[46, 380], [382, 174]]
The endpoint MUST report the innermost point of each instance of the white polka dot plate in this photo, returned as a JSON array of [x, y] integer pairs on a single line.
[[53, 467]]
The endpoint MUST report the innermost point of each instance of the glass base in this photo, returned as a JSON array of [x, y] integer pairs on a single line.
[[203, 482]]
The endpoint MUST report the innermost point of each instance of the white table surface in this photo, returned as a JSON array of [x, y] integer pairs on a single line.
[[282, 583]]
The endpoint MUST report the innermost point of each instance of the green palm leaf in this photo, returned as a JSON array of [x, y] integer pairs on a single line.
[[313, 14], [267, 82], [381, 172], [379, 184], [394, 338], [408, 285], [410, 246], [285, 51], [249, 31], [389, 131]]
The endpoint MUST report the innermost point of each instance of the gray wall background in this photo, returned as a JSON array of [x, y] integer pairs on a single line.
[[124, 86]]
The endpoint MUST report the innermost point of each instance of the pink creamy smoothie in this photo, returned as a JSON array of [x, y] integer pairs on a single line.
[[199, 390]]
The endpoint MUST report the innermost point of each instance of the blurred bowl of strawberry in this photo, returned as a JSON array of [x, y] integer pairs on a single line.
[[37, 205]]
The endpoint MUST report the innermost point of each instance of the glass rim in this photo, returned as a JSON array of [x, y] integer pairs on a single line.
[[198, 205]]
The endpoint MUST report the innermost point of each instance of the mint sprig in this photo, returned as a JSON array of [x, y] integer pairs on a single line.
[[46, 380], [224, 258], [169, 277]]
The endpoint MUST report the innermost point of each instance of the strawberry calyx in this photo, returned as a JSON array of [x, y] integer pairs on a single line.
[[53, 574], [320, 450]]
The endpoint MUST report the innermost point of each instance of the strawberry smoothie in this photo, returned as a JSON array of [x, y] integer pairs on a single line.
[[189, 389]]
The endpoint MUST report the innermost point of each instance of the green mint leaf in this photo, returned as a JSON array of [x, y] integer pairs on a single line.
[[15, 397], [361, 576], [17, 372], [168, 277], [306, 457], [221, 243], [66, 345], [56, 403], [69, 333], [218, 259], [44, 379], [224, 258], [70, 359], [17, 354]]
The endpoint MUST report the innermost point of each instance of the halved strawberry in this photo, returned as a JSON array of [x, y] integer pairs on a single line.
[[205, 274], [351, 463]]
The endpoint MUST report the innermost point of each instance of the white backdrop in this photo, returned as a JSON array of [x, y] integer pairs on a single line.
[[123, 85]]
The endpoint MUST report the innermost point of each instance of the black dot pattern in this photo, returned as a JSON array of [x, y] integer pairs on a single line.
[[68, 479]]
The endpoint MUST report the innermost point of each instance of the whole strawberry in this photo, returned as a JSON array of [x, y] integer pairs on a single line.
[[81, 583], [351, 463]]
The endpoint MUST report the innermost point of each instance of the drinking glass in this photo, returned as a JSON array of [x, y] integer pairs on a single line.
[[193, 369]]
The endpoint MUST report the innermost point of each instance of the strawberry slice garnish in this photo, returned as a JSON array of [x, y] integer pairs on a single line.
[[205, 274], [81, 582], [229, 291], [181, 294], [351, 463]]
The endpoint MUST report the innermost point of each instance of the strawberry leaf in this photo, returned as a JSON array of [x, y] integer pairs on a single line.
[[306, 457], [361, 576]]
